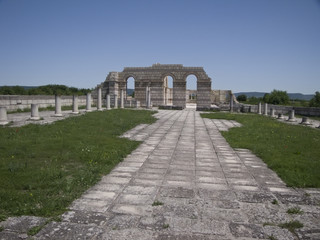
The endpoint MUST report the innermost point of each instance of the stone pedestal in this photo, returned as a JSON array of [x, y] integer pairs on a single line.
[[266, 109], [3, 116], [305, 121], [58, 112], [108, 102], [75, 109], [88, 106], [99, 100], [259, 108], [121, 99], [280, 116], [115, 101], [34, 112], [272, 113], [137, 104], [291, 116]]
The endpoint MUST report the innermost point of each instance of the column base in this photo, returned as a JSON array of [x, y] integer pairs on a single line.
[[58, 115], [2, 123], [34, 118]]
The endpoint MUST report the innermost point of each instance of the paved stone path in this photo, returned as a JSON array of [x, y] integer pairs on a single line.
[[186, 182]]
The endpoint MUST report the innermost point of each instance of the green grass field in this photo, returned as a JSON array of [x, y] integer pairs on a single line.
[[293, 152], [44, 168]]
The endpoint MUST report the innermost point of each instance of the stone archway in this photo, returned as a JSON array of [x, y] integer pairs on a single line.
[[153, 77]]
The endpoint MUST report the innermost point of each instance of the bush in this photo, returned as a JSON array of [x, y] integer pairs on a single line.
[[242, 98], [315, 101], [277, 97]]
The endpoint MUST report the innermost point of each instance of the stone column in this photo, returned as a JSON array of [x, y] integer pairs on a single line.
[[108, 102], [259, 108], [121, 99], [88, 106], [3, 116], [231, 102], [266, 109], [291, 116], [272, 113], [280, 116], [137, 104], [147, 96], [35, 112], [99, 101], [75, 109], [305, 121], [116, 101], [58, 112]]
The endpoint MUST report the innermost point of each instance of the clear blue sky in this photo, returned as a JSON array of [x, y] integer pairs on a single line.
[[247, 45]]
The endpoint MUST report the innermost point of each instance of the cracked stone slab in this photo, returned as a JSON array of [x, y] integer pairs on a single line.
[[246, 230], [86, 217], [65, 230], [22, 224]]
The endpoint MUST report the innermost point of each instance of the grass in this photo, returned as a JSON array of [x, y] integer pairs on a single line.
[[157, 203], [34, 230], [165, 226], [43, 168], [294, 210], [291, 226], [291, 151]]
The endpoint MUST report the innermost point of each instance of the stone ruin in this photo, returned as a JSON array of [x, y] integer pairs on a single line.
[[155, 78]]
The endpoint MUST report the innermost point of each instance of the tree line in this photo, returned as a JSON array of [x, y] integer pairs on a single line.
[[50, 89], [278, 97]]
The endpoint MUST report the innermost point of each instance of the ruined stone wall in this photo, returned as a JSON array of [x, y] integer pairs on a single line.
[[220, 96], [305, 111], [154, 77], [15, 102]]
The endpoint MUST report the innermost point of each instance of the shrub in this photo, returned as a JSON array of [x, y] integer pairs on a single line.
[[242, 98]]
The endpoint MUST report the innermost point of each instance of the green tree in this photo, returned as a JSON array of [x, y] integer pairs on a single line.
[[277, 97], [266, 98], [315, 101], [5, 90], [242, 98]]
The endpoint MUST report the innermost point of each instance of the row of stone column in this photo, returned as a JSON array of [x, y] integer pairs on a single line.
[[75, 110], [291, 118]]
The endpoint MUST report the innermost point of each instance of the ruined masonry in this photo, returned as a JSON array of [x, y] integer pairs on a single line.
[[155, 77]]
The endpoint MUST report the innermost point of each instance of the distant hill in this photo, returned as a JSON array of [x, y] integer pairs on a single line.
[[292, 96]]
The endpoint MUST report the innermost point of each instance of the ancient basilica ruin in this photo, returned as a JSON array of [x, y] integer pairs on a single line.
[[151, 87]]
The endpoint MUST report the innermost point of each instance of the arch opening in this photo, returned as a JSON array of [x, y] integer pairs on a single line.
[[167, 90], [191, 91], [130, 88]]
